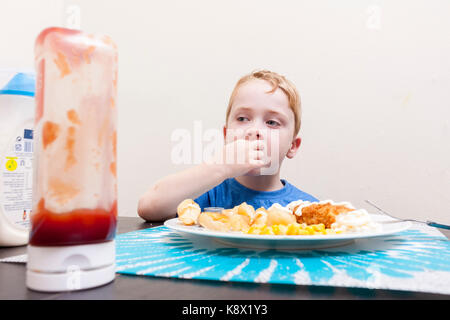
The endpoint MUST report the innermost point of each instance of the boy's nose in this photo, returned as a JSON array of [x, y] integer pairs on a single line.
[[254, 134]]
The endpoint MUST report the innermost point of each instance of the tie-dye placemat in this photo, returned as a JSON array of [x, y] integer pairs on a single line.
[[417, 259]]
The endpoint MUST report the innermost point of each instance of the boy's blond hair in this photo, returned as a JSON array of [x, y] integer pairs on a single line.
[[277, 81]]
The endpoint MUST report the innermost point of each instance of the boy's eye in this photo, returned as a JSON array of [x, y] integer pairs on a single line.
[[242, 119], [273, 123]]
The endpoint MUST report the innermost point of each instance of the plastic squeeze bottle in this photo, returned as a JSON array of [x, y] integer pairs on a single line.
[[16, 155], [74, 211]]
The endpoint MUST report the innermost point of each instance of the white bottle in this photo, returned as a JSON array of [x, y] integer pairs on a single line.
[[16, 155]]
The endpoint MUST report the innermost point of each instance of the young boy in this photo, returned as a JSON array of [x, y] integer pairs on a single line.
[[262, 123]]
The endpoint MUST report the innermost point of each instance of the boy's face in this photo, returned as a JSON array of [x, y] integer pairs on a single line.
[[259, 115]]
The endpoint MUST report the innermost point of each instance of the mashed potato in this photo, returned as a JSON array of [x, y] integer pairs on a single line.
[[355, 221]]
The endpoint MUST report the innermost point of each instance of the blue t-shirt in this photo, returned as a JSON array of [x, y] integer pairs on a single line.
[[231, 193]]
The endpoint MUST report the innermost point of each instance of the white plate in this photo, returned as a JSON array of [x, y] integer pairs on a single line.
[[238, 239]]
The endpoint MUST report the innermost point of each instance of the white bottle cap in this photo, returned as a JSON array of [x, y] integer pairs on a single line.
[[70, 268]]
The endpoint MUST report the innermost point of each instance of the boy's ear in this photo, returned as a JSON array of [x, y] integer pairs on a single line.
[[294, 147], [224, 132]]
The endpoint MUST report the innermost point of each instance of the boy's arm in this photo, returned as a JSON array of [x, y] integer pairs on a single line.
[[160, 202]]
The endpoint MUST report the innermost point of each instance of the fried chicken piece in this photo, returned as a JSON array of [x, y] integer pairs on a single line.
[[321, 213]]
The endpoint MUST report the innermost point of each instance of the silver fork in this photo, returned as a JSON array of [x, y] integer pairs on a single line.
[[430, 223]]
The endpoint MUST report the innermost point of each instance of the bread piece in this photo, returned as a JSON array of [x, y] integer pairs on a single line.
[[188, 212]]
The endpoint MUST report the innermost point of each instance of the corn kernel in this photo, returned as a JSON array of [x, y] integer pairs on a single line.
[[293, 229], [254, 230], [279, 229], [318, 227], [267, 231], [283, 229], [303, 232], [310, 230], [275, 228]]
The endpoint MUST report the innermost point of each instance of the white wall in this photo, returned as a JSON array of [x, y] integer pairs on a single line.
[[374, 78]]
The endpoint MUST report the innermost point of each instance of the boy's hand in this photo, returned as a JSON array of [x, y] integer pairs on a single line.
[[242, 156]]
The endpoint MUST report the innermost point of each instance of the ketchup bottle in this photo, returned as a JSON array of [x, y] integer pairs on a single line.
[[74, 211]]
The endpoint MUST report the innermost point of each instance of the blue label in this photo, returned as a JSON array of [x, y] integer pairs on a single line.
[[28, 134]]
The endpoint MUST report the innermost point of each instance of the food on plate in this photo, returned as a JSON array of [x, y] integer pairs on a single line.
[[260, 218], [292, 229], [237, 219], [278, 214], [297, 218], [245, 210], [216, 221], [239, 223], [323, 212], [188, 212], [355, 221], [242, 217]]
